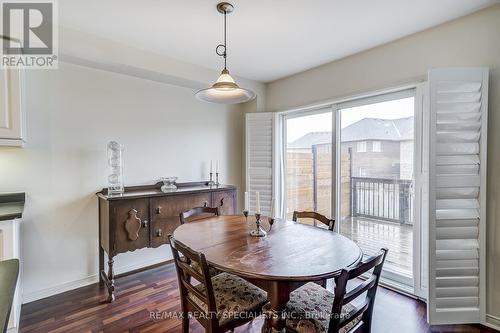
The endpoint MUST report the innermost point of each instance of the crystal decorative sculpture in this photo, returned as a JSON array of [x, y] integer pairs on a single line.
[[115, 163], [168, 184]]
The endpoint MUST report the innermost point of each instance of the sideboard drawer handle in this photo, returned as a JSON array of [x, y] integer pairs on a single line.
[[159, 233], [158, 210], [145, 223]]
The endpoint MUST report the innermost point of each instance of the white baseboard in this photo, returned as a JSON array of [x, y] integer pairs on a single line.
[[492, 322], [67, 286], [54, 290]]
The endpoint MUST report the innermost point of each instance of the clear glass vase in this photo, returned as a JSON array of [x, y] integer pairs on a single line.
[[115, 164]]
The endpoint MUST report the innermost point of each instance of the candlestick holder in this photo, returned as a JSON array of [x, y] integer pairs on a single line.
[[271, 222], [211, 182], [258, 231], [217, 179], [245, 214]]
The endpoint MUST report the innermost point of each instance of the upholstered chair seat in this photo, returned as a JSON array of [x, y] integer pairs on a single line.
[[310, 308], [234, 297], [313, 309], [219, 303]]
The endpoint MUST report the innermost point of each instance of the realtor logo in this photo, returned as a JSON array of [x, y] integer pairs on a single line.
[[29, 34]]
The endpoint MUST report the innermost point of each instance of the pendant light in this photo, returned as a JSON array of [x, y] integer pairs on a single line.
[[225, 90]]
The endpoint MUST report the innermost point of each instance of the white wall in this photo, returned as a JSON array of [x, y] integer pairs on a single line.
[[72, 113], [473, 40]]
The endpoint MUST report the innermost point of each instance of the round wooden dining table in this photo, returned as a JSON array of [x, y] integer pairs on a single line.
[[290, 255]]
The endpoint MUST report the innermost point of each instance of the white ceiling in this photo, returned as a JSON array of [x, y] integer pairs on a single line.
[[267, 39]]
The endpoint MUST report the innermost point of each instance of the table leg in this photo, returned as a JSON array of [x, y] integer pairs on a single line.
[[278, 293]]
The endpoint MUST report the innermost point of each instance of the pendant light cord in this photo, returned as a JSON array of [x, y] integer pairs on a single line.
[[225, 41], [223, 53]]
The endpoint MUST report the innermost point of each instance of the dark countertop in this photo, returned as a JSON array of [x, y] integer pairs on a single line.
[[11, 206]]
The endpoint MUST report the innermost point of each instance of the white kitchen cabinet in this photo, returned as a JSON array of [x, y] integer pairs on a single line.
[[12, 122]]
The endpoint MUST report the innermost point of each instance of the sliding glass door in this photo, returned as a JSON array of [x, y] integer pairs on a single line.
[[308, 162], [367, 147], [377, 180]]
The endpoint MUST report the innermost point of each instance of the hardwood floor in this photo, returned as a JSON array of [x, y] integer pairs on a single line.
[[144, 299]]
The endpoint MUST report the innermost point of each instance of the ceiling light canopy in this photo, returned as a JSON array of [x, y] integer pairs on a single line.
[[225, 90]]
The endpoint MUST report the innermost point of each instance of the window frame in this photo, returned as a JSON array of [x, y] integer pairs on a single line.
[[416, 90], [335, 105], [361, 147], [379, 145]]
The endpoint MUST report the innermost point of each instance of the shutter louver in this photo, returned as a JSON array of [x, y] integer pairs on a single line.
[[259, 159], [458, 123]]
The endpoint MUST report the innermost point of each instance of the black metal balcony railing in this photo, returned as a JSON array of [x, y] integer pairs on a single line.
[[385, 199]]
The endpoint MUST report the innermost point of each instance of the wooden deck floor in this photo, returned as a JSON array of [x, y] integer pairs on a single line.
[[371, 235]]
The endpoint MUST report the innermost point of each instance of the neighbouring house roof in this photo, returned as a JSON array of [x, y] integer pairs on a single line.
[[366, 129], [311, 139]]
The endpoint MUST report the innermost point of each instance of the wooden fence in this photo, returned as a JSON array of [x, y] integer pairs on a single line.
[[309, 180]]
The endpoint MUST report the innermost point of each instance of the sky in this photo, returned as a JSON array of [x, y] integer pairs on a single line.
[[400, 108]]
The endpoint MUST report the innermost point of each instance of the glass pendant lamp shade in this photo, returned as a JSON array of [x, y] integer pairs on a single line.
[[225, 91]]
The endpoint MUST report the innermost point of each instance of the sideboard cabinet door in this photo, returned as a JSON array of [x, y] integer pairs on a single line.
[[165, 213], [131, 225], [226, 201]]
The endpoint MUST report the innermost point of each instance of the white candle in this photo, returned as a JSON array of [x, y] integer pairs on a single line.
[[272, 208], [246, 201], [217, 166], [210, 166], [257, 205]]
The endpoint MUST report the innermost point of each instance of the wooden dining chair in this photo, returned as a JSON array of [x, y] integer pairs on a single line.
[[219, 303], [197, 211], [194, 212], [318, 310], [317, 217], [330, 223]]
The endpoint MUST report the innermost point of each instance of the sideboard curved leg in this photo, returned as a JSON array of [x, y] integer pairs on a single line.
[[101, 267], [111, 280]]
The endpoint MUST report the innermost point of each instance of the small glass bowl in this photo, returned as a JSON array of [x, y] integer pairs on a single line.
[[168, 184]]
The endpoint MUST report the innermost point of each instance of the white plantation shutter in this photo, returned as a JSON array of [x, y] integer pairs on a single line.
[[259, 158], [458, 124]]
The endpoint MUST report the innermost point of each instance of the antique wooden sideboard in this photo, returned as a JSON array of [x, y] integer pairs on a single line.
[[143, 216]]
